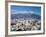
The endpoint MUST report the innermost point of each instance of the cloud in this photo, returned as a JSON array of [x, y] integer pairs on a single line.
[[22, 12]]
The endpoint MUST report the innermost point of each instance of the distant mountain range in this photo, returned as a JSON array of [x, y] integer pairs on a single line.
[[25, 16]]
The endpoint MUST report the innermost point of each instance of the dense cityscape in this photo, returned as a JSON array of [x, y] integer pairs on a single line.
[[25, 24]]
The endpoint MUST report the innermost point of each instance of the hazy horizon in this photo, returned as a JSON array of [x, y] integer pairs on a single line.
[[25, 9]]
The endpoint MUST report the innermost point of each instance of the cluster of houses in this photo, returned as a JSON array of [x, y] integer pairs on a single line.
[[25, 25]]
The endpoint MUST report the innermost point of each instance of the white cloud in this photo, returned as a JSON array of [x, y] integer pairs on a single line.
[[22, 12]]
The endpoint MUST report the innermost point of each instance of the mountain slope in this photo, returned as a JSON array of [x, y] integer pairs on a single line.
[[25, 16]]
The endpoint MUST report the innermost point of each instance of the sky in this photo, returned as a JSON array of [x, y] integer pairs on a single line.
[[25, 9]]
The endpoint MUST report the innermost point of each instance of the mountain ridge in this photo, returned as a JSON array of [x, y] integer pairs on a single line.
[[25, 16]]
